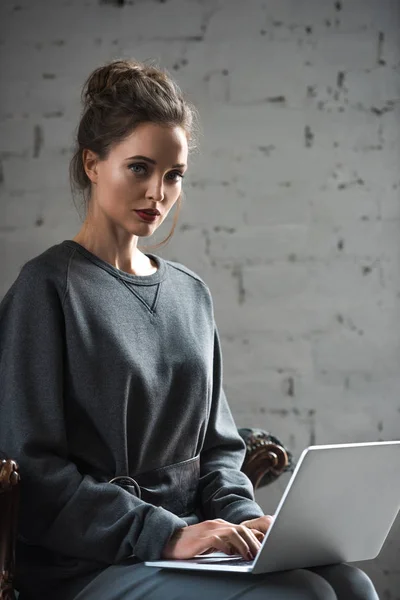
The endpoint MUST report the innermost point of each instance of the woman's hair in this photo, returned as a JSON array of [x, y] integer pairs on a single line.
[[118, 97]]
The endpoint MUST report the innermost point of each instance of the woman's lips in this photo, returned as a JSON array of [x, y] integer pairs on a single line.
[[148, 217]]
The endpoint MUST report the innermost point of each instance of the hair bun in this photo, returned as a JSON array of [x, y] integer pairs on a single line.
[[109, 76]]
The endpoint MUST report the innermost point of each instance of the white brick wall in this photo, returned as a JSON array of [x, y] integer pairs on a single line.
[[292, 211]]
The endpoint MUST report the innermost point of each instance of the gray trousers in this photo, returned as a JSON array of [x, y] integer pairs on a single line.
[[135, 581]]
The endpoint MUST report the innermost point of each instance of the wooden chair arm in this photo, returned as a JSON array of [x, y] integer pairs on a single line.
[[266, 457], [9, 497]]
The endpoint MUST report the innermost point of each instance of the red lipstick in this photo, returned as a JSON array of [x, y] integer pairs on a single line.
[[149, 217]]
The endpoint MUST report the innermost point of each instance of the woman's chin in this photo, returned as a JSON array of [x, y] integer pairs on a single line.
[[143, 230]]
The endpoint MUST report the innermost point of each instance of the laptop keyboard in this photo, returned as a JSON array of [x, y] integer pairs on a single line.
[[240, 562]]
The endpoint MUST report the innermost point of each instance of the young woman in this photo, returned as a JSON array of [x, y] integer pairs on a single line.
[[111, 391]]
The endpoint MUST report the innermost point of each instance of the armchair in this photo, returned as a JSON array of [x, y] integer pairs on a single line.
[[9, 491]]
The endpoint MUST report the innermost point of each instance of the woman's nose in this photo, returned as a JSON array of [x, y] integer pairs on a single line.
[[155, 191]]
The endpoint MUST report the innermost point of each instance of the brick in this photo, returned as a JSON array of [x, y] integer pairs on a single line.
[[187, 247], [365, 239], [349, 50], [266, 391], [262, 243], [163, 20], [286, 13], [275, 282], [319, 299], [46, 172], [366, 15], [213, 205], [279, 87], [355, 131], [352, 204], [8, 93], [346, 425], [375, 89], [44, 209], [234, 21], [248, 357], [348, 353], [286, 203], [16, 137]]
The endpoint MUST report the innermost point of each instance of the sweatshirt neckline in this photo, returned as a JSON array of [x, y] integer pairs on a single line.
[[151, 279]]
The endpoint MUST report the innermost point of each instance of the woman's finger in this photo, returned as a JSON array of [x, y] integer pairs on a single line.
[[251, 539], [232, 543], [261, 523], [259, 534], [243, 540], [224, 545]]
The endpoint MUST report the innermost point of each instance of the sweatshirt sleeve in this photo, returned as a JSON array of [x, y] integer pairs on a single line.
[[60, 509], [226, 492]]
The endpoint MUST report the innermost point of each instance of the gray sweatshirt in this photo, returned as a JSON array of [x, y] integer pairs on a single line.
[[106, 374]]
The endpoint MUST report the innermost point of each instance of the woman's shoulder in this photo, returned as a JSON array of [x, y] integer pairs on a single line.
[[49, 268], [187, 273], [188, 284]]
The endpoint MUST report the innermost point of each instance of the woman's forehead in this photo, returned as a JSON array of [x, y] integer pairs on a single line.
[[158, 142]]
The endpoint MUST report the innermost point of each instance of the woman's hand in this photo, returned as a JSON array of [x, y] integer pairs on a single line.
[[261, 524], [216, 534]]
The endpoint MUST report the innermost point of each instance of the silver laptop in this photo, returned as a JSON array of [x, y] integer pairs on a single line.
[[338, 506]]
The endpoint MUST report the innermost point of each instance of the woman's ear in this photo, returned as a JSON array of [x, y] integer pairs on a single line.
[[90, 160]]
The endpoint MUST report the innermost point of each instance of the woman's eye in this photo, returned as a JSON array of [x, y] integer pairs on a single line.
[[175, 176], [137, 168]]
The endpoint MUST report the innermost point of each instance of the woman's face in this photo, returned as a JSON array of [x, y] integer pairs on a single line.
[[143, 172]]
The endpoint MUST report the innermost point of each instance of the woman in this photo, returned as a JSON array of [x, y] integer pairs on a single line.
[[111, 395]]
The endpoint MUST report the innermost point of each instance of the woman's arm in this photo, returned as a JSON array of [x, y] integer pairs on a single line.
[[226, 492], [61, 509]]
